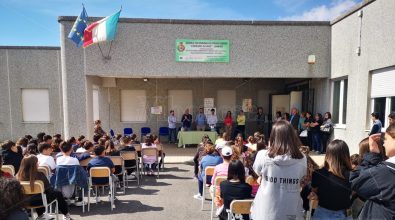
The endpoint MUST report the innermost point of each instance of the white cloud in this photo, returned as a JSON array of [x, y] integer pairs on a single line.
[[324, 12]]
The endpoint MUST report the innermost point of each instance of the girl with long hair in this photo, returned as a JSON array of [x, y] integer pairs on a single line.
[[281, 169], [331, 183], [28, 172]]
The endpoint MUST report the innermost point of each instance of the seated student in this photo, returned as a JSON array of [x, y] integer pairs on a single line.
[[211, 159], [235, 188], [11, 155], [4, 174], [125, 145], [221, 142], [200, 153], [47, 139], [251, 144], [31, 149], [40, 137], [221, 170], [80, 139], [22, 144], [110, 148], [45, 158], [67, 160], [11, 195], [134, 139], [157, 142], [117, 140], [306, 187], [28, 172], [86, 151], [101, 161], [149, 161], [248, 167], [96, 138]]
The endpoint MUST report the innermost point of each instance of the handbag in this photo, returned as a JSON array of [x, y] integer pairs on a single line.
[[326, 130], [303, 133]]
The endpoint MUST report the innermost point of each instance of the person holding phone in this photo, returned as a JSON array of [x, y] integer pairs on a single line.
[[374, 179]]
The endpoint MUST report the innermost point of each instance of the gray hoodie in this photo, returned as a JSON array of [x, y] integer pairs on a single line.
[[278, 196]]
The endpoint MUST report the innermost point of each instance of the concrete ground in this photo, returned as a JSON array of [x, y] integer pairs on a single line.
[[169, 197]]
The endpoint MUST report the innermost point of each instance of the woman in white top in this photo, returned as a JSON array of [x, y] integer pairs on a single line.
[[281, 169]]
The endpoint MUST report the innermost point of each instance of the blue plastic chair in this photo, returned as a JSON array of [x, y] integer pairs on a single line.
[[164, 131], [127, 131], [112, 133], [145, 131]]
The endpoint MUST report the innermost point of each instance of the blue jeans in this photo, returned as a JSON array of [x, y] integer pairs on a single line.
[[317, 143], [326, 214], [172, 135]]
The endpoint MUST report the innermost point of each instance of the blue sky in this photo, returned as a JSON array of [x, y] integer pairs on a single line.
[[34, 22]]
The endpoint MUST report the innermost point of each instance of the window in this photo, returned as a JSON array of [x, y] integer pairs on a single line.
[[382, 93], [35, 105], [133, 106], [339, 112], [95, 104]]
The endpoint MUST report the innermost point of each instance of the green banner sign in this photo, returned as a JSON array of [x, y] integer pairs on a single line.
[[202, 51]]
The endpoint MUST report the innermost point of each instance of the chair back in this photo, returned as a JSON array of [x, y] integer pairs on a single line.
[[9, 169], [209, 171], [84, 163], [145, 130], [219, 180], [241, 206], [251, 181], [38, 187], [137, 147], [127, 131], [45, 170], [96, 172], [128, 155], [163, 131], [149, 152], [159, 147], [116, 160]]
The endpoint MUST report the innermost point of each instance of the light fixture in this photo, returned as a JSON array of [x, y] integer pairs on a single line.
[[145, 79], [311, 59]]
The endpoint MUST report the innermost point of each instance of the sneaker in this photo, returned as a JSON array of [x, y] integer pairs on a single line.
[[131, 177], [79, 203], [198, 196], [67, 217], [44, 216]]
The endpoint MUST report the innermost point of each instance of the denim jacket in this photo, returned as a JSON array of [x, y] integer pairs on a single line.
[[69, 174]]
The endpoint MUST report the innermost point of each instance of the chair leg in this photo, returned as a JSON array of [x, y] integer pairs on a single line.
[[212, 203], [83, 200], [57, 209], [203, 192], [89, 197]]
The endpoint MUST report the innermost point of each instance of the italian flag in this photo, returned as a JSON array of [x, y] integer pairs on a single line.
[[103, 30]]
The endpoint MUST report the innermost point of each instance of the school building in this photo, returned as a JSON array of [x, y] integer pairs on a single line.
[[346, 66]]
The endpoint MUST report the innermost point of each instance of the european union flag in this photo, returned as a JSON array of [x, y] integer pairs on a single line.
[[77, 32]]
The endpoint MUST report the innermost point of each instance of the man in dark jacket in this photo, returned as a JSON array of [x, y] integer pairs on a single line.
[[294, 119], [374, 179]]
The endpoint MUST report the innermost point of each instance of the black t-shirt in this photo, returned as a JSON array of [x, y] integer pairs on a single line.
[[333, 192], [234, 190], [316, 128]]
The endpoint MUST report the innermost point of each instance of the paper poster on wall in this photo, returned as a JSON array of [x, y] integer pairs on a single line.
[[209, 102], [247, 105], [156, 110]]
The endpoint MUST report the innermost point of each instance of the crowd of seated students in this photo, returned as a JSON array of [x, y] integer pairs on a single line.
[[60, 156], [345, 187]]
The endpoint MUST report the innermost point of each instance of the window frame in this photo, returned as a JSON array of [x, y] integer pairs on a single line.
[[342, 122], [23, 104]]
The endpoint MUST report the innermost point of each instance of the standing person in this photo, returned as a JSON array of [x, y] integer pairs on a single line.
[[228, 122], [28, 172], [11, 155], [212, 120], [374, 179], [171, 120], [234, 188], [331, 183], [281, 169], [260, 120], [294, 118], [241, 124], [316, 133], [377, 125], [326, 130], [309, 120], [98, 129], [200, 120], [186, 121], [391, 118]]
